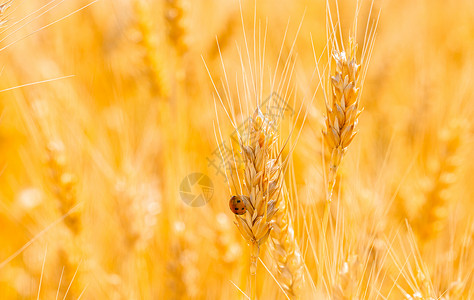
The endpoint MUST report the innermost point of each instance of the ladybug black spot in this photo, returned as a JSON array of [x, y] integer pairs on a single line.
[[238, 201]]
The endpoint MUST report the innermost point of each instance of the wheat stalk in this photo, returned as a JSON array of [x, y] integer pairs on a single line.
[[343, 111]]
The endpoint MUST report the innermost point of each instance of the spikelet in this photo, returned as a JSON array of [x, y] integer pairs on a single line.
[[343, 111], [285, 251], [262, 183]]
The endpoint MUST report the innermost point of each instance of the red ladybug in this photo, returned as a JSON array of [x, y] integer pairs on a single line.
[[237, 205]]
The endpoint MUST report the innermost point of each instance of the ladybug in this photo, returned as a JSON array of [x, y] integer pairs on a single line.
[[237, 205]]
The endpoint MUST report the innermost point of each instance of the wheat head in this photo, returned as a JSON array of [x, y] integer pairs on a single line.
[[286, 251], [261, 185], [429, 221], [175, 11], [343, 111]]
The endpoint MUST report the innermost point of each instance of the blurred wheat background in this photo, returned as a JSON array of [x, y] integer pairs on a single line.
[[107, 106]]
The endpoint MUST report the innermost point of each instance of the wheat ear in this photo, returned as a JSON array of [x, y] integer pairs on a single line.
[[177, 28], [343, 111], [262, 182], [430, 218], [63, 185], [285, 250], [152, 56]]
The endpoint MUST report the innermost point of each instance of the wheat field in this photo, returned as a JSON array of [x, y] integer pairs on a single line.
[[236, 149]]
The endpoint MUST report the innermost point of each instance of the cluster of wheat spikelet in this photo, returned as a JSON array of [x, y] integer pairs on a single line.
[[175, 11], [431, 217], [107, 106], [343, 111], [262, 185], [266, 208], [286, 249]]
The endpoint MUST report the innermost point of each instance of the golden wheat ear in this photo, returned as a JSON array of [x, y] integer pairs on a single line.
[[431, 216], [343, 111], [175, 12], [285, 249], [261, 185]]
